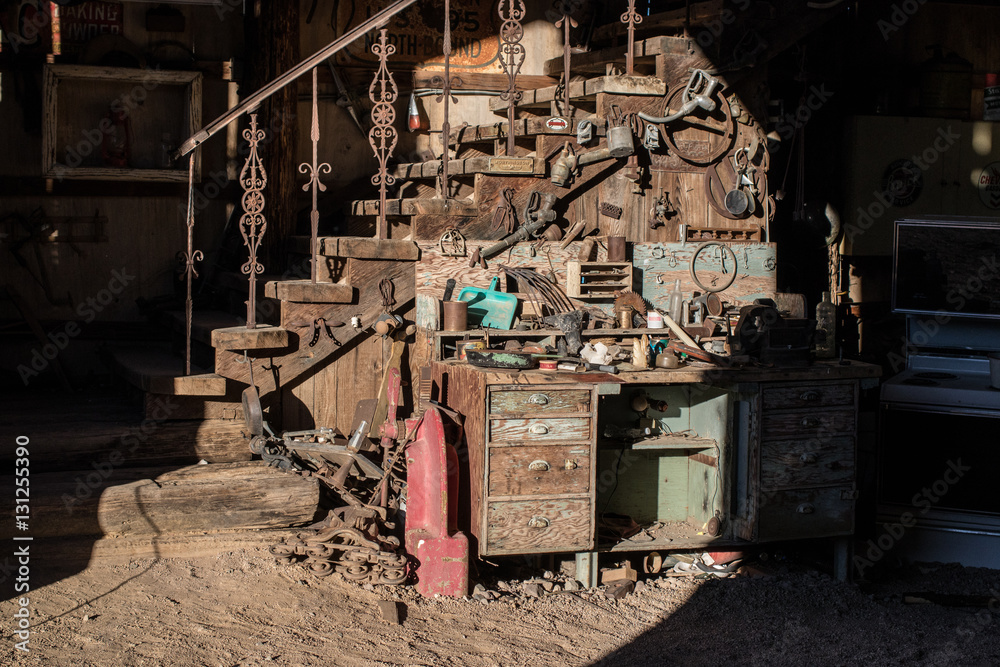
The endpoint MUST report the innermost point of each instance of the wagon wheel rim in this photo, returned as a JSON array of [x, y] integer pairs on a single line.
[[723, 129]]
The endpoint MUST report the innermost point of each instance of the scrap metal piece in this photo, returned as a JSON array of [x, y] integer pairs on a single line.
[[610, 210], [452, 243], [253, 224], [584, 131], [511, 57], [314, 170], [383, 135]]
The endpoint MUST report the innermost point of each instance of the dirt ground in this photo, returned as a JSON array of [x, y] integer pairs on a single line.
[[243, 608]]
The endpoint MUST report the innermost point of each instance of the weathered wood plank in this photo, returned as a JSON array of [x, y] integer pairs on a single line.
[[259, 338], [539, 470], [807, 395], [808, 424], [362, 248], [414, 207], [802, 514], [163, 500], [675, 18], [539, 526], [595, 61], [546, 400], [539, 429], [306, 291], [62, 444], [809, 462]]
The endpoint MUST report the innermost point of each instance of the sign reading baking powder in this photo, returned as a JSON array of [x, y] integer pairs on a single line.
[[989, 185], [418, 34], [81, 23]]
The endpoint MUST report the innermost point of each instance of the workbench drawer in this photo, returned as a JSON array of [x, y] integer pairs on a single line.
[[806, 513], [526, 526], [807, 396], [539, 470], [806, 462], [807, 423], [551, 429], [539, 400]]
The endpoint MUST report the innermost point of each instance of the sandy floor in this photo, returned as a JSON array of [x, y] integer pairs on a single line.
[[242, 608]]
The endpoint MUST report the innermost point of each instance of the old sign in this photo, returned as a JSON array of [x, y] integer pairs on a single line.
[[989, 185], [26, 27], [417, 34], [81, 23], [511, 165]]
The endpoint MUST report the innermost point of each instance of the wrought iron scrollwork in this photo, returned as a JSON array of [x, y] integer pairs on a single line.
[[383, 136], [253, 224], [511, 57]]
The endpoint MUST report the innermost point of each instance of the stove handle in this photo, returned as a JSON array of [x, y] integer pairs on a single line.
[[810, 422], [809, 395]]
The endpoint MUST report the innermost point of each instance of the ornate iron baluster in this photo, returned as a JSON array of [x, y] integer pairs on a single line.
[[446, 83], [187, 270], [631, 18], [511, 57], [383, 136], [566, 22], [314, 170], [253, 224]]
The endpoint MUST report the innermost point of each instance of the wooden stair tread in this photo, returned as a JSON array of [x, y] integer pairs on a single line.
[[523, 127], [159, 372], [422, 206], [262, 337], [472, 165], [586, 90], [203, 323], [350, 247], [306, 291]]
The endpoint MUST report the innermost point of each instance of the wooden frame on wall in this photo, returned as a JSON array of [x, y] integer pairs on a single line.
[[161, 107]]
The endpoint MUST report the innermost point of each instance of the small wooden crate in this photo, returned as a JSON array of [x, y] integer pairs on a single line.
[[597, 280]]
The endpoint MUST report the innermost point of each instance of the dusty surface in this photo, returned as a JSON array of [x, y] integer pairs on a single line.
[[242, 608]]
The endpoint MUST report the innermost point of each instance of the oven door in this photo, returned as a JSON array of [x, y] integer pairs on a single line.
[[942, 465]]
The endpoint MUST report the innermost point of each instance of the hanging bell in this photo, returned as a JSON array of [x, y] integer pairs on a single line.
[[414, 122]]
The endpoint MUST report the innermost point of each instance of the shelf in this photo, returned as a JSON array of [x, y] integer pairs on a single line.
[[586, 333], [675, 442]]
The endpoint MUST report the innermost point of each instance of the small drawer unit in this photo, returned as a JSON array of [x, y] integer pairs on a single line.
[[807, 460], [539, 470]]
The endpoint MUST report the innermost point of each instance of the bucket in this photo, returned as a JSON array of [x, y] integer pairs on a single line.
[[994, 358]]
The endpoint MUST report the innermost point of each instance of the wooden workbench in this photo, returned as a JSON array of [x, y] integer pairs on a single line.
[[767, 454]]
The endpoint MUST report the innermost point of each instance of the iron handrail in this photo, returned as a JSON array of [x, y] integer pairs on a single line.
[[206, 132]]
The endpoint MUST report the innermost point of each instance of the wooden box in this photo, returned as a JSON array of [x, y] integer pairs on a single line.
[[597, 280]]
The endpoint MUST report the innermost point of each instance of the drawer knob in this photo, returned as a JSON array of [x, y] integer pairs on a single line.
[[539, 465], [808, 457], [538, 429], [571, 464], [539, 399], [538, 522], [809, 396], [810, 422], [805, 508]]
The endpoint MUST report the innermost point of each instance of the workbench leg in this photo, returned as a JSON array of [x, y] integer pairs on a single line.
[[842, 558], [586, 568]]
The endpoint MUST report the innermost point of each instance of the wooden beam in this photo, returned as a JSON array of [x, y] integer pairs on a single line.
[[157, 501], [674, 18], [306, 291], [645, 50], [259, 338]]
